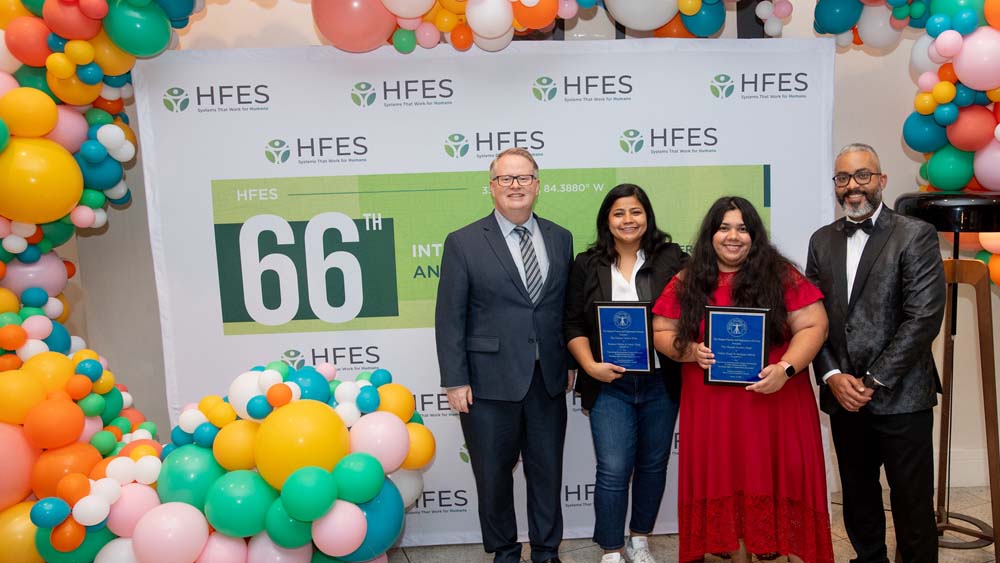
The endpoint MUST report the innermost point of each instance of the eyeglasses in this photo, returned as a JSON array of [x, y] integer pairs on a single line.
[[862, 177], [508, 181]]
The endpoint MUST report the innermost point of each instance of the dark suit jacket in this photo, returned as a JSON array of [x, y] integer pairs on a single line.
[[487, 327], [590, 281], [894, 314]]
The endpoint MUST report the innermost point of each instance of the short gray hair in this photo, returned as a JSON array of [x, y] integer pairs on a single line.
[[861, 147], [516, 151]]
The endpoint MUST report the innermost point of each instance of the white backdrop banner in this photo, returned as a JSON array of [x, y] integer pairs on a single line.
[[298, 199]]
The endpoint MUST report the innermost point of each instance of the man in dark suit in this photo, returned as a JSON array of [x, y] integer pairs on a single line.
[[498, 324], [883, 282]]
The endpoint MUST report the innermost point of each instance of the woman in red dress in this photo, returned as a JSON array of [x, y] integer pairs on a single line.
[[752, 475]]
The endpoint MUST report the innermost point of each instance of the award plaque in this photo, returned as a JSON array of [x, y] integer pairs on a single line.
[[738, 338], [625, 334]]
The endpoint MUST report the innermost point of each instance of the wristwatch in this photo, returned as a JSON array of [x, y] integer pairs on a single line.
[[789, 369]]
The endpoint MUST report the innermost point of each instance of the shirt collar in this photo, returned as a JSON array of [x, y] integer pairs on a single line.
[[506, 226]]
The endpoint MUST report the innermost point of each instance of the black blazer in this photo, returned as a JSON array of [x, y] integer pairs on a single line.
[[590, 281], [894, 314]]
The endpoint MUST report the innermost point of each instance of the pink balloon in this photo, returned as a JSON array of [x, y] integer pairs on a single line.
[[986, 165], [383, 435], [782, 9], [136, 501], [15, 465], [328, 370], [91, 425], [4, 227], [927, 80], [82, 217], [935, 56], [71, 129], [427, 35], [567, 9], [48, 273], [409, 23], [978, 64], [263, 550], [354, 25], [38, 327], [7, 83], [174, 531], [990, 242], [221, 548], [341, 530], [949, 43], [899, 25]]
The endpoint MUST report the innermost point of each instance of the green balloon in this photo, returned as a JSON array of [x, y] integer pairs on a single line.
[[917, 9], [44, 246], [901, 12], [333, 384], [87, 552], [34, 77], [237, 503], [284, 530], [187, 474], [364, 376], [950, 169], [58, 232], [308, 493], [416, 418], [150, 427], [93, 199], [122, 423], [9, 319], [404, 40], [142, 30], [320, 557], [97, 116], [92, 405], [4, 135], [26, 312], [359, 477], [280, 367], [5, 256], [113, 403], [33, 6], [104, 441], [952, 7], [984, 256]]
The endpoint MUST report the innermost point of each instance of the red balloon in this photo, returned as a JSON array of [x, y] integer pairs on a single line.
[[69, 22], [973, 129], [27, 39], [354, 25]]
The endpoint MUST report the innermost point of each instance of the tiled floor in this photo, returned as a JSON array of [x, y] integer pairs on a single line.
[[969, 501]]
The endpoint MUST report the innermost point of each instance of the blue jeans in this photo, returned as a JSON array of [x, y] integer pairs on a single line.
[[632, 423]]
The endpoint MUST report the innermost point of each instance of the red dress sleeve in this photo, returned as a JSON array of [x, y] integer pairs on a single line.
[[668, 305], [799, 291]]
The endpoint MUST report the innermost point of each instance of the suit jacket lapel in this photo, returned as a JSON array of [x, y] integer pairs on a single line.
[[604, 279], [873, 248], [491, 229], [550, 254], [838, 260]]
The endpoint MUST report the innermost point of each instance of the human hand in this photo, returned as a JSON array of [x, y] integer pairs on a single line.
[[703, 355], [460, 398], [605, 372], [772, 379], [849, 391], [570, 379]]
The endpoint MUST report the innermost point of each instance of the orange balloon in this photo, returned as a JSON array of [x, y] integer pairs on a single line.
[[51, 369], [9, 361], [53, 464], [461, 37], [116, 431], [53, 423], [73, 487], [857, 37], [100, 470], [991, 9], [129, 134], [674, 28], [27, 39], [135, 444], [12, 337], [68, 535], [134, 416], [78, 386], [3, 270], [279, 395], [947, 72], [36, 237], [994, 266], [112, 60], [538, 16], [111, 106]]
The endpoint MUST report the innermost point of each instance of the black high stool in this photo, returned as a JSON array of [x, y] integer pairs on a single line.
[[959, 213]]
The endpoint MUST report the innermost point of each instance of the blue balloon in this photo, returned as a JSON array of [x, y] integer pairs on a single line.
[[176, 9], [34, 297], [586, 3], [837, 16], [368, 399], [92, 150], [119, 80], [166, 451], [896, 3], [982, 99], [921, 22], [707, 20], [56, 44], [965, 21], [122, 200], [205, 434], [91, 368], [923, 134], [938, 24], [101, 175], [49, 512], [59, 340], [384, 514], [90, 73], [964, 96], [123, 116], [179, 437], [30, 255], [946, 114], [258, 407], [380, 377], [314, 386]]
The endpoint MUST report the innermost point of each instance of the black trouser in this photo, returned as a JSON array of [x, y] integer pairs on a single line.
[[497, 432], [903, 443]]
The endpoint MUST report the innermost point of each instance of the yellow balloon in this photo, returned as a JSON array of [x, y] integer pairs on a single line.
[[422, 446], [60, 66], [51, 369], [10, 9], [432, 13], [17, 535], [689, 7], [79, 51], [301, 433], [456, 7], [221, 414], [445, 21], [72, 90], [234, 444], [19, 392], [41, 181], [85, 354], [993, 95], [28, 112], [397, 399], [142, 451], [9, 303], [924, 103], [112, 60], [66, 308], [104, 383], [943, 92]]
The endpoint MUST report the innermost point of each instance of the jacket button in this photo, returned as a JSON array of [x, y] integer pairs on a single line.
[[848, 328]]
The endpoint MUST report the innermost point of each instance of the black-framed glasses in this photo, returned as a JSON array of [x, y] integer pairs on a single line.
[[862, 177], [508, 180]]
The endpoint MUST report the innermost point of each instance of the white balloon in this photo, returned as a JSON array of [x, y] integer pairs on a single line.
[[346, 392], [76, 344], [111, 136], [296, 390], [529, 3], [126, 396], [773, 27], [31, 349], [53, 308], [489, 18], [118, 191], [764, 10], [100, 219], [495, 44], [191, 419], [996, 132], [874, 28], [241, 390], [920, 62], [410, 484], [408, 8], [110, 92], [91, 510], [845, 39], [121, 469], [14, 244], [107, 488], [268, 378], [8, 63], [127, 91], [27, 229], [118, 550], [147, 469], [348, 412], [642, 15]]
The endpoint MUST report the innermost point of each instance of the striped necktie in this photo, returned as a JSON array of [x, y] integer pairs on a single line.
[[532, 273]]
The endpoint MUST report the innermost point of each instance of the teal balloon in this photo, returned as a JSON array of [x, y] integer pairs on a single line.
[[237, 503], [34, 77], [58, 232], [416, 418], [87, 552], [923, 134], [837, 16], [140, 29], [285, 531], [34, 6], [4, 135], [359, 477], [384, 514], [187, 474], [320, 557], [707, 20], [113, 403], [308, 493], [950, 169], [951, 8], [984, 256], [404, 40]]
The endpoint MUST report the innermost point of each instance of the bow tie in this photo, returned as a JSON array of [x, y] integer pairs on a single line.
[[850, 228]]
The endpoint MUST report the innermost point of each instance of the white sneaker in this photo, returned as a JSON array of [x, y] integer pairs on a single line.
[[613, 557], [637, 550]]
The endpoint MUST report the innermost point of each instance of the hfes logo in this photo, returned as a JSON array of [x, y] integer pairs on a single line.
[[463, 453], [277, 151], [363, 94], [631, 141], [293, 358], [722, 86], [544, 89], [456, 145], [176, 99]]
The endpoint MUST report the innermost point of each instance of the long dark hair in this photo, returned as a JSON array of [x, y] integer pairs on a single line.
[[760, 281], [605, 242]]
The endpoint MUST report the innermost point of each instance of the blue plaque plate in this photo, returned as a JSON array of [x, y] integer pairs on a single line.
[[625, 335], [738, 338]]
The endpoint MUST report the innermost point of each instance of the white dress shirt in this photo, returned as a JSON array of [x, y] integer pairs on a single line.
[[513, 241], [623, 289]]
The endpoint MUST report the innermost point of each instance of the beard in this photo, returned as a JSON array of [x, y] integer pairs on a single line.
[[862, 209]]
